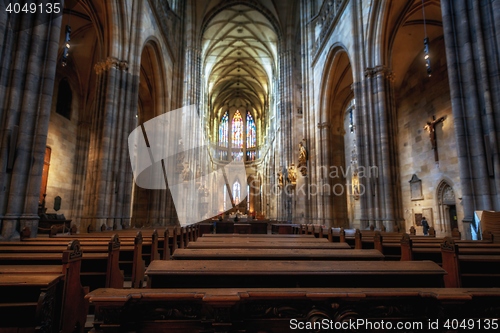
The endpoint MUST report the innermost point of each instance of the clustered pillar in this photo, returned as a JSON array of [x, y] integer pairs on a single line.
[[29, 45]]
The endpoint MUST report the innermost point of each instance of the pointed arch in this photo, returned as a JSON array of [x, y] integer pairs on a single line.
[[447, 207]]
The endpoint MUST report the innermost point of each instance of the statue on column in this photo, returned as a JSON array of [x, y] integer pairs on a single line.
[[186, 172], [302, 159], [280, 179], [292, 174]]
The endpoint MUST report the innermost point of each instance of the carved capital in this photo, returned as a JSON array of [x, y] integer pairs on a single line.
[[109, 63], [323, 125], [384, 71], [369, 72]]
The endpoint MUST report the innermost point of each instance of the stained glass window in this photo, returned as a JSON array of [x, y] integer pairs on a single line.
[[225, 195], [251, 155], [223, 127], [251, 135], [237, 130], [248, 197], [236, 192]]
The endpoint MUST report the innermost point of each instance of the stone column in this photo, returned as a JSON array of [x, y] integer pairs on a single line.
[[325, 205], [472, 39], [106, 199], [381, 178], [29, 56]]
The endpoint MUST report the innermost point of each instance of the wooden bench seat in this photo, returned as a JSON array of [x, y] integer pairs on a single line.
[[267, 245], [270, 310], [269, 273], [262, 239], [276, 254]]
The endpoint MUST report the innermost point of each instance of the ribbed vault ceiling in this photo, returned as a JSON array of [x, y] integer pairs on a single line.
[[239, 58]]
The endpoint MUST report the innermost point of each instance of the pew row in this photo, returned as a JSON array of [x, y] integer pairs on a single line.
[[275, 310], [98, 268], [45, 298], [293, 273], [271, 236], [276, 254], [469, 269], [262, 238], [267, 245]]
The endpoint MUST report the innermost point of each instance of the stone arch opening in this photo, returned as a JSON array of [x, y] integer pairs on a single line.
[[447, 208], [334, 168], [150, 207]]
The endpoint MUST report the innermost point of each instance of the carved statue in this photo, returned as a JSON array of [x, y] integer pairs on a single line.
[[302, 154], [180, 156], [431, 128], [302, 159], [186, 172], [292, 174], [280, 179]]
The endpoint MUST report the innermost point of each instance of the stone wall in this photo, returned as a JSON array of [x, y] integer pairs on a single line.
[[63, 143], [419, 99]]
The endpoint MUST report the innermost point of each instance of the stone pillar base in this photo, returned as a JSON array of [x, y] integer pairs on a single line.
[[29, 222], [10, 230]]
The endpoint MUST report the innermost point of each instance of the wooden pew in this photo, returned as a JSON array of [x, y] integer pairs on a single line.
[[283, 228], [263, 310], [67, 311], [151, 243], [350, 236], [391, 244], [127, 236], [275, 254], [129, 249], [270, 236], [274, 274], [29, 302], [469, 269], [262, 238], [139, 265], [268, 245], [99, 267]]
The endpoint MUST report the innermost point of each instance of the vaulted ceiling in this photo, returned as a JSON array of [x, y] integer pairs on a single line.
[[239, 54]]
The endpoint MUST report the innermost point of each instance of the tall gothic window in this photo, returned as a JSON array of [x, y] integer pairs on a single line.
[[225, 196], [251, 135], [236, 192], [237, 130], [237, 137], [223, 127], [64, 99]]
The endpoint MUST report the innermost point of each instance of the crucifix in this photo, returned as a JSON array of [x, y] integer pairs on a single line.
[[431, 128]]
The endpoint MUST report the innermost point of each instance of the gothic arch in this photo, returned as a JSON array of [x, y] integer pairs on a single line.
[[335, 95], [152, 74], [446, 203], [149, 207], [328, 79]]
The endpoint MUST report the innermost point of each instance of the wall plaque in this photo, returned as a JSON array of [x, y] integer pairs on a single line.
[[416, 188]]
